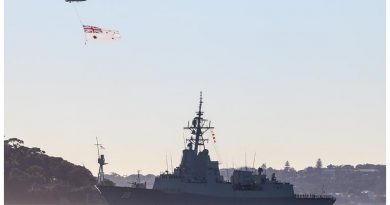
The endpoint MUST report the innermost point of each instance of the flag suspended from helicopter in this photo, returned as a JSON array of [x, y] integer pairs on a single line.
[[70, 1], [96, 33]]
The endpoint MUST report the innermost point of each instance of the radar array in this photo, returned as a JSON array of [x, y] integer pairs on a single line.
[[198, 127]]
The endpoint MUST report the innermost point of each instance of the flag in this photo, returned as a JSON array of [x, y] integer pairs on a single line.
[[101, 147], [96, 33]]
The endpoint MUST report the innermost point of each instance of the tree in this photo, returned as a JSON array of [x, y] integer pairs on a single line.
[[14, 142], [331, 166], [78, 176], [287, 166], [319, 164], [107, 182], [35, 170], [36, 150], [264, 166], [32, 176]]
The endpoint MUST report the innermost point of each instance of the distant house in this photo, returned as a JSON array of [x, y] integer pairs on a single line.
[[329, 173], [367, 170], [369, 194]]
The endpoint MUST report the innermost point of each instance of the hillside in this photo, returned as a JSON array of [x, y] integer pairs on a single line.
[[32, 177]]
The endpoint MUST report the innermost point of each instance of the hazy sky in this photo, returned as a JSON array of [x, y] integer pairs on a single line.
[[287, 80]]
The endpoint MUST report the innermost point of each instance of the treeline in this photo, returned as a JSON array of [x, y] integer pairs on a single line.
[[127, 180], [360, 184], [31, 176]]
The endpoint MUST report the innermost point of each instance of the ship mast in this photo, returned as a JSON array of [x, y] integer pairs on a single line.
[[198, 128], [101, 162]]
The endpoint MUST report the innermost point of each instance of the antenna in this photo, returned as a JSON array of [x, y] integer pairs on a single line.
[[198, 127], [101, 162], [254, 159], [171, 164], [97, 146], [138, 176], [227, 171], [246, 167], [166, 161], [184, 140]]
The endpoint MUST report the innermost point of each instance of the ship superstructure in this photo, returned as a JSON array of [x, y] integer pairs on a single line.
[[138, 183], [198, 180]]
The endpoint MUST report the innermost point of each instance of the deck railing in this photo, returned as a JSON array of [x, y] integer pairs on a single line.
[[314, 196]]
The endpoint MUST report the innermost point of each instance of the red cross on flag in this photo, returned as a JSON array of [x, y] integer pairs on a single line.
[[96, 33]]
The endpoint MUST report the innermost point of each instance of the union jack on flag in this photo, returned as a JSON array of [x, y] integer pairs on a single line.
[[96, 33], [92, 29]]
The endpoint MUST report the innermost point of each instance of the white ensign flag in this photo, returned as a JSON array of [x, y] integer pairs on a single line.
[[96, 33]]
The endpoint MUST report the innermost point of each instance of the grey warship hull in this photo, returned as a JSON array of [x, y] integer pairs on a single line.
[[134, 196], [197, 180]]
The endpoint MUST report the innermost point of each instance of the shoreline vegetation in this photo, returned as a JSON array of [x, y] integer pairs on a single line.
[[32, 177]]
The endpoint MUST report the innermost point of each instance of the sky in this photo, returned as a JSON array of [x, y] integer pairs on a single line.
[[282, 80]]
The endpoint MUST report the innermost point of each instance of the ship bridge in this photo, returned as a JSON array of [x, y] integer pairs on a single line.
[[197, 173]]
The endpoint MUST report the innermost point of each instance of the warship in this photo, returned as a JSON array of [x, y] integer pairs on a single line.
[[197, 180]]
